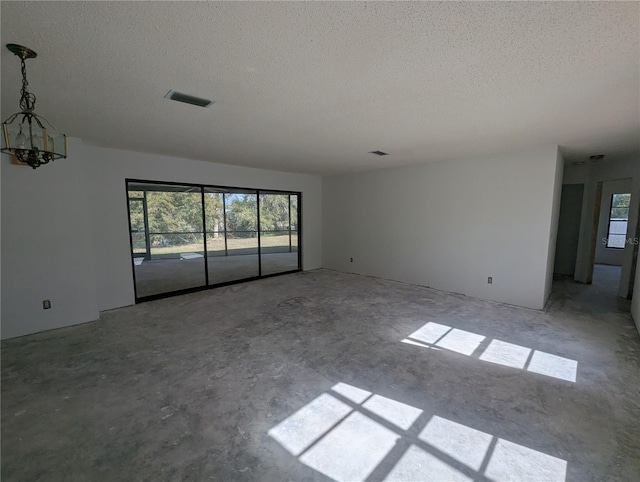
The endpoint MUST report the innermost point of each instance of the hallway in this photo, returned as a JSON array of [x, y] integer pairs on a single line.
[[600, 297]]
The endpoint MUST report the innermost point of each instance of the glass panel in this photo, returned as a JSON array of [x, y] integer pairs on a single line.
[[232, 246], [616, 241], [278, 238], [618, 227], [620, 206], [136, 218], [174, 212], [138, 240], [621, 200], [294, 212], [176, 239], [136, 215], [619, 213]]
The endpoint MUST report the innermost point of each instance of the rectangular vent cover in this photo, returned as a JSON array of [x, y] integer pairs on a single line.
[[188, 99]]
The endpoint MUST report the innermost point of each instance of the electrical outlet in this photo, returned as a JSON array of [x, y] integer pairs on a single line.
[[351, 259], [490, 280], [46, 305]]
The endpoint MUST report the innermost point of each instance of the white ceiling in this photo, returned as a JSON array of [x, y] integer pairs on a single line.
[[313, 86]]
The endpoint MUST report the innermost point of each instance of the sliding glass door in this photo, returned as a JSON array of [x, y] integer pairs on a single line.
[[186, 237], [233, 246], [278, 232], [175, 238]]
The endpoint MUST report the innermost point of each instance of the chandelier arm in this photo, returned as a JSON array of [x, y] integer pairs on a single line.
[[37, 119], [10, 119]]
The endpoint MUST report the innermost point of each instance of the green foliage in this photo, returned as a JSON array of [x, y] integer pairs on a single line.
[[242, 214], [177, 216], [174, 212], [620, 205], [214, 215], [274, 212], [136, 214]]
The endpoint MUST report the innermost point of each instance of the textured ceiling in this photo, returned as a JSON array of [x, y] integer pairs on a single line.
[[313, 86]]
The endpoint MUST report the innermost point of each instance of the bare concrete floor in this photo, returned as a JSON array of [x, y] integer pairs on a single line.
[[329, 376]]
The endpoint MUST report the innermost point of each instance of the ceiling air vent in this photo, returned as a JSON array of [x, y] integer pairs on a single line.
[[379, 153], [188, 99]]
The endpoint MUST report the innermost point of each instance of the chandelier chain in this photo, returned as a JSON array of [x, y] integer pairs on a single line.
[[27, 99]]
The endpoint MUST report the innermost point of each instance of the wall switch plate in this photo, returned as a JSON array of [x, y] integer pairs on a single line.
[[46, 305], [490, 280]]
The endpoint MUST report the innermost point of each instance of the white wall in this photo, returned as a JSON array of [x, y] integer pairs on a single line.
[[591, 175], [553, 226], [110, 228], [606, 255], [65, 231], [47, 251], [450, 225]]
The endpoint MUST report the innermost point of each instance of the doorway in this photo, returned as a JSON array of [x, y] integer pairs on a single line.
[[612, 229]]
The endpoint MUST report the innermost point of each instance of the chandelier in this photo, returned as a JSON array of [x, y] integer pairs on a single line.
[[25, 134]]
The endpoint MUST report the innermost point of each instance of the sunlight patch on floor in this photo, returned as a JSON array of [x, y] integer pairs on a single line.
[[460, 442], [553, 366], [350, 434], [460, 341], [506, 354], [352, 450], [532, 465], [309, 423], [417, 464], [399, 414], [436, 336]]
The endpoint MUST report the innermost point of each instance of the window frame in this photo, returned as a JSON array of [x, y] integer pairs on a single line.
[[202, 189], [609, 219]]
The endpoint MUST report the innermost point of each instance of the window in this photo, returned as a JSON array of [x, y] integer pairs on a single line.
[[187, 237], [618, 219]]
